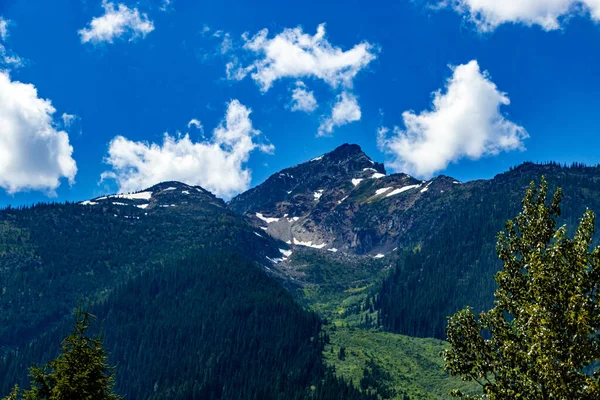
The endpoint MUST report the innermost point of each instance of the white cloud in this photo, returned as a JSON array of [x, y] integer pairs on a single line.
[[165, 5], [34, 155], [302, 99], [218, 164], [195, 122], [295, 54], [465, 121], [548, 14], [226, 44], [9, 58], [68, 119], [345, 111], [3, 28], [117, 21]]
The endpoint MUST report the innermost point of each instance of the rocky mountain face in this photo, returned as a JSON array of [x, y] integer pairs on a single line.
[[343, 201]]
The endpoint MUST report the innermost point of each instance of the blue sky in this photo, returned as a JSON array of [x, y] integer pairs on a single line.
[[144, 68]]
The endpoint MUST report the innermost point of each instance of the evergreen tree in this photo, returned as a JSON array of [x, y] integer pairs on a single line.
[[542, 335], [80, 372]]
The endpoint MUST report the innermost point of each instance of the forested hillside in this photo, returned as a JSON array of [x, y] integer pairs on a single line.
[[180, 288], [455, 268], [51, 255], [210, 326]]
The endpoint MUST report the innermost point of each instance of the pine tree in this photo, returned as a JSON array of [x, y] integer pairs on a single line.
[[80, 372], [543, 333]]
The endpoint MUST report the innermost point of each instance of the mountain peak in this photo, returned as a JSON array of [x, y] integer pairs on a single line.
[[350, 157], [161, 195], [296, 189], [346, 150]]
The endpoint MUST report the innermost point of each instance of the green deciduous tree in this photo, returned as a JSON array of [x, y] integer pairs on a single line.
[[540, 339], [80, 372]]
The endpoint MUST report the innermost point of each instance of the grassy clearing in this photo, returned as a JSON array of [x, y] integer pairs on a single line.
[[409, 367], [414, 364]]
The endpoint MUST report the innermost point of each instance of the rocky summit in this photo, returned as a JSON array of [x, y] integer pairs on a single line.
[[344, 201]]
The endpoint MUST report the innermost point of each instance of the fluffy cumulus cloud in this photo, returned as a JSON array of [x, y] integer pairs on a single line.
[[218, 164], [303, 99], [295, 54], [117, 21], [34, 155], [465, 121], [548, 14], [345, 111]]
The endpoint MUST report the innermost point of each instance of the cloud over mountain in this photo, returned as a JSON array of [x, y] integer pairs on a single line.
[[294, 54], [344, 111], [303, 99], [217, 164], [465, 121]]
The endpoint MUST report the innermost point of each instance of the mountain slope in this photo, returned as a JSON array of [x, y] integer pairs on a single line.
[[53, 254], [439, 235], [189, 288], [456, 266], [344, 201], [179, 283], [210, 326]]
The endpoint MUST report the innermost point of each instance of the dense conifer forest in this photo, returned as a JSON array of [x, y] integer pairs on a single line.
[[211, 326], [185, 310]]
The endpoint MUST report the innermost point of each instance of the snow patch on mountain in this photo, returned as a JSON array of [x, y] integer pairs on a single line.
[[134, 196], [286, 253], [401, 190], [382, 190], [266, 219], [309, 244]]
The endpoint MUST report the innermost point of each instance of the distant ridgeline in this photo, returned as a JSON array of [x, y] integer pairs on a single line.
[[455, 268], [185, 309]]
